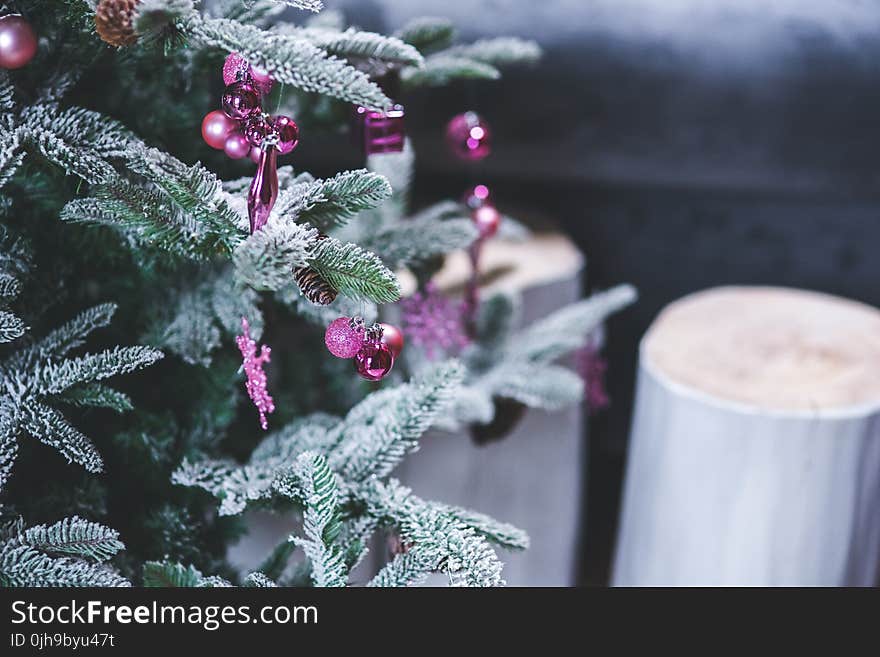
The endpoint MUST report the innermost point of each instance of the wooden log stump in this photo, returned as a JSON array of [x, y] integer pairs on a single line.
[[755, 448]]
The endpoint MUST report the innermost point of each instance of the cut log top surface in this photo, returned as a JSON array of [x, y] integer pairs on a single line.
[[775, 348], [514, 266]]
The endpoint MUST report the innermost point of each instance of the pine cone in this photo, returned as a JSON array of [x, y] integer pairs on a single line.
[[315, 288], [113, 21]]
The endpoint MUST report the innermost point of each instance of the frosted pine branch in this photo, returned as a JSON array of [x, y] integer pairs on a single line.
[[354, 272], [97, 395], [357, 44], [292, 60], [427, 33], [417, 240], [49, 427], [21, 565], [259, 580], [163, 574], [441, 69], [53, 378], [321, 522], [266, 259], [500, 51], [73, 537]]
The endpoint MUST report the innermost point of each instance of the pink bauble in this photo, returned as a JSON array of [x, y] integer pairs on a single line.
[[235, 69], [18, 41], [288, 133], [487, 219], [374, 361], [240, 101], [393, 337], [237, 146], [255, 154], [256, 129], [216, 127], [342, 339], [468, 136], [261, 79]]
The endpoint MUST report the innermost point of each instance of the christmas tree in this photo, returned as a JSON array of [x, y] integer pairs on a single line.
[[126, 465]]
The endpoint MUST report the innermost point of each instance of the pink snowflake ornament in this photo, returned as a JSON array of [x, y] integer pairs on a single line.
[[253, 369], [433, 321]]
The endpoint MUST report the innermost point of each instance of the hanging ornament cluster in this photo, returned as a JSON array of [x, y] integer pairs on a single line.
[[373, 348], [252, 363], [468, 137], [114, 22], [434, 321], [484, 214], [242, 129], [18, 42]]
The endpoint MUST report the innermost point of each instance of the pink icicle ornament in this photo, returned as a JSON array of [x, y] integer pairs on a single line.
[[264, 188], [253, 369]]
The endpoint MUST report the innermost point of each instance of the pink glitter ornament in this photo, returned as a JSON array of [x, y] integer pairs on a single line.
[[592, 368], [380, 132], [345, 337], [264, 188], [18, 42], [468, 136], [253, 369], [433, 321], [393, 337], [216, 127], [374, 361], [240, 101], [235, 69], [288, 133], [236, 146]]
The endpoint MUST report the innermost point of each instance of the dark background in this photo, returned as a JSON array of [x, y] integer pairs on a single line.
[[682, 144]]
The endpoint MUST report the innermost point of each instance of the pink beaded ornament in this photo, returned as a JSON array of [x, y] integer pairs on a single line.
[[253, 369], [241, 100], [345, 336], [288, 133], [468, 136]]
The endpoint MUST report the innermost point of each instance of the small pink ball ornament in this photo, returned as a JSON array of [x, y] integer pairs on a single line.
[[288, 133], [261, 79], [216, 127], [240, 101], [374, 361], [18, 42], [237, 146], [468, 136], [254, 154], [345, 337], [487, 219], [393, 337]]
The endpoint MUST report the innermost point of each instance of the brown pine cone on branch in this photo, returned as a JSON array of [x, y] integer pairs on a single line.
[[113, 21], [313, 287]]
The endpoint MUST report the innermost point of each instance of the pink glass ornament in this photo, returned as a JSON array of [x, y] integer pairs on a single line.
[[236, 146], [288, 133], [216, 127], [477, 197], [255, 154], [374, 361], [468, 136], [393, 337], [18, 41], [261, 79], [381, 132], [344, 337], [257, 129], [264, 188], [240, 101], [487, 219], [253, 369], [235, 69], [433, 321]]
